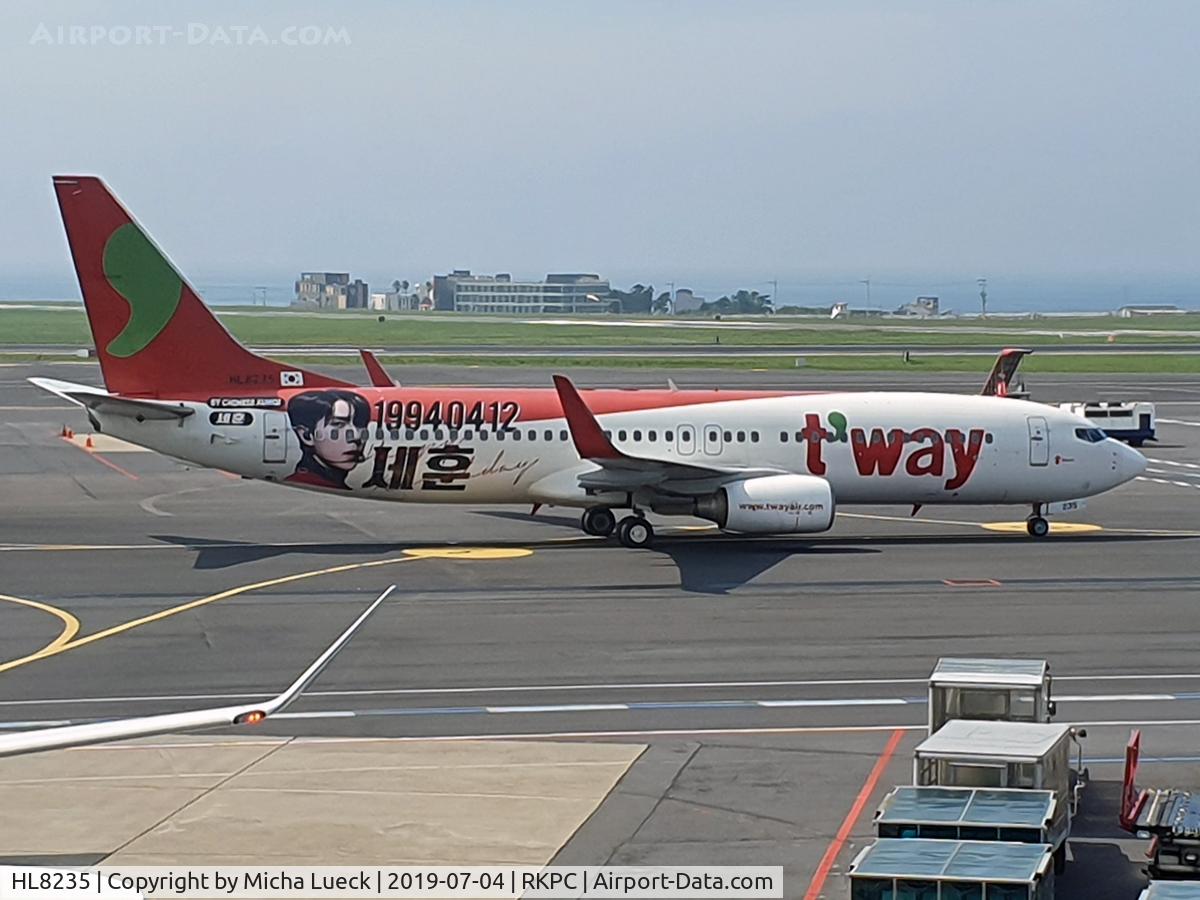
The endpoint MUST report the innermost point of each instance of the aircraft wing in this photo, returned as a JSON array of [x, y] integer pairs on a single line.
[[375, 370], [102, 401], [620, 471], [1000, 379], [144, 726]]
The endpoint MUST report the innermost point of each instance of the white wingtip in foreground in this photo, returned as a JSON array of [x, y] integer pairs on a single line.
[[144, 726]]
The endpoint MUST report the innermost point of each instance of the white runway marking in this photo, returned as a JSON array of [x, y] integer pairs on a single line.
[[1174, 472], [566, 707], [863, 701], [1169, 481], [1171, 462], [1178, 422], [632, 733], [655, 706], [551, 688]]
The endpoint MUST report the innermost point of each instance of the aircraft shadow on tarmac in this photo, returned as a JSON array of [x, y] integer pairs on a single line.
[[718, 567], [1100, 867], [708, 563], [214, 554]]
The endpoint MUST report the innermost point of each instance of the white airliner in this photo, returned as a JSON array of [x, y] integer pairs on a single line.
[[753, 462]]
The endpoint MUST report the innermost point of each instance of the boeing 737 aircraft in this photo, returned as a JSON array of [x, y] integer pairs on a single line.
[[753, 462]]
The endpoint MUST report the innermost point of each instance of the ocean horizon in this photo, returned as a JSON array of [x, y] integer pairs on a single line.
[[1022, 294]]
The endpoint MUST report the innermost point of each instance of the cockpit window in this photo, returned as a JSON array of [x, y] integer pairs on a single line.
[[1091, 435]]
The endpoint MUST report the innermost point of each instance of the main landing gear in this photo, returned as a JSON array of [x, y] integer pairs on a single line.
[[632, 531], [599, 521], [635, 532], [1036, 524]]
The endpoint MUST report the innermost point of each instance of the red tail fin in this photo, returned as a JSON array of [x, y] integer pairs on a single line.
[[154, 336]]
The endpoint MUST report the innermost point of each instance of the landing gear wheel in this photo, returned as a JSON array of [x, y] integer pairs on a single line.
[[635, 532], [1037, 526], [598, 520]]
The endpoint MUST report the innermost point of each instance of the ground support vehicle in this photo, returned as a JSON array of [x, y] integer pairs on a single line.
[[1170, 817], [1013, 690], [972, 814], [918, 869]]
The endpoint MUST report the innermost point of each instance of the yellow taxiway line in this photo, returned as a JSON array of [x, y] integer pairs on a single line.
[[67, 640], [70, 623]]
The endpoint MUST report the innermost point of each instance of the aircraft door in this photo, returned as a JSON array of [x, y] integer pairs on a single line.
[[1039, 441], [275, 431], [686, 440], [712, 440]]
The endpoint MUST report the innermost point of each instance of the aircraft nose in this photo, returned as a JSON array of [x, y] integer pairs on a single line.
[[1128, 463]]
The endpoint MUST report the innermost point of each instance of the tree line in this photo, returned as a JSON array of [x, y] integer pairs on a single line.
[[641, 299]]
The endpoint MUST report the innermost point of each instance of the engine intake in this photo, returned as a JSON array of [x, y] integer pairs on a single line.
[[771, 504]]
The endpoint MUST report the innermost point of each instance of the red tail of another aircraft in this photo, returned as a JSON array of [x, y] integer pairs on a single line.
[[154, 336]]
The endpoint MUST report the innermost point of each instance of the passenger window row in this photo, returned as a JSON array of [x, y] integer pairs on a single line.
[[454, 434], [532, 434]]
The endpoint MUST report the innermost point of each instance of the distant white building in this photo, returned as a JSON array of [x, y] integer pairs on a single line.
[[1149, 309], [332, 290], [686, 301], [461, 291], [922, 307]]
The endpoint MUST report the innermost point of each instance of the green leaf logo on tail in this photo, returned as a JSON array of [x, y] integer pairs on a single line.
[[138, 272]]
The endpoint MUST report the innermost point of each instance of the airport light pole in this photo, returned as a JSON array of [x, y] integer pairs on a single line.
[[982, 282], [867, 282]]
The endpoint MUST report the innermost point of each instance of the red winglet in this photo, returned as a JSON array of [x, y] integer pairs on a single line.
[[590, 440], [375, 370]]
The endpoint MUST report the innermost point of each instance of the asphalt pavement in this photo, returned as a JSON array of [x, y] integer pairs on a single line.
[[773, 681]]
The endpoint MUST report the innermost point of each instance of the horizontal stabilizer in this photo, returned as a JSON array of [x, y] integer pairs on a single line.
[[169, 723], [104, 402]]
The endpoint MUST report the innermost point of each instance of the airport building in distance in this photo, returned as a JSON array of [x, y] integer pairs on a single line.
[[332, 290], [460, 291]]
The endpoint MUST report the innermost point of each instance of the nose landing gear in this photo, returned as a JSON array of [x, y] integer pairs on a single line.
[[1036, 524]]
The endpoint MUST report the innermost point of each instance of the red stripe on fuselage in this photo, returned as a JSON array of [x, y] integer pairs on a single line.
[[535, 403]]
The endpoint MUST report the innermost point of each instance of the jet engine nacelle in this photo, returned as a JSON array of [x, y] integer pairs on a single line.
[[771, 504]]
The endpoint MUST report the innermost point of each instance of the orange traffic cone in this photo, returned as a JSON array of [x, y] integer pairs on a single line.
[[63, 433], [88, 443], [70, 434]]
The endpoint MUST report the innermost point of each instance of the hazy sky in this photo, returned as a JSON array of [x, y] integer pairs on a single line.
[[680, 139]]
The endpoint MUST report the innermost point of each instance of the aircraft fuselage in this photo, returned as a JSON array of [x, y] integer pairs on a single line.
[[477, 446]]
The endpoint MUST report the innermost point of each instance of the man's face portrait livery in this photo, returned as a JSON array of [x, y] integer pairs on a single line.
[[332, 428]]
